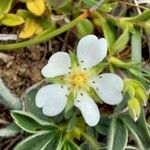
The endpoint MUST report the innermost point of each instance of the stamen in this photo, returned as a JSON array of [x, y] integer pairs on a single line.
[[81, 94], [93, 82], [82, 61], [84, 68], [97, 89], [100, 77], [78, 101], [78, 79], [62, 86]]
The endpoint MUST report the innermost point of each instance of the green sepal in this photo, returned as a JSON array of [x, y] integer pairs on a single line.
[[134, 108], [58, 80], [92, 93], [135, 83], [70, 101], [129, 89], [96, 70], [136, 72], [74, 59], [136, 90], [142, 96]]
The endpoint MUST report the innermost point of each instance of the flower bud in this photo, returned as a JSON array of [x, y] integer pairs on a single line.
[[134, 108], [141, 95], [129, 88]]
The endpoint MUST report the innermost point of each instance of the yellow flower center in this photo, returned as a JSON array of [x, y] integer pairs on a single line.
[[78, 79]]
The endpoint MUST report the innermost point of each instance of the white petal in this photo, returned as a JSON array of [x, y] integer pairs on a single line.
[[52, 98], [88, 108], [109, 86], [91, 51], [58, 64]]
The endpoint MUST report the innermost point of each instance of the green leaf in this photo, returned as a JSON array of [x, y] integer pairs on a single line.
[[109, 7], [84, 28], [70, 145], [139, 130], [30, 123], [85, 146], [122, 41], [24, 13], [5, 6], [55, 142], [136, 46], [12, 20], [11, 130], [103, 126], [108, 30], [92, 141], [118, 135], [143, 17], [128, 147], [8, 98], [45, 23], [89, 3], [72, 123], [38, 141], [29, 102], [60, 5]]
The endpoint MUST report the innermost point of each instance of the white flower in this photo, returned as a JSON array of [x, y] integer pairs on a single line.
[[53, 98]]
